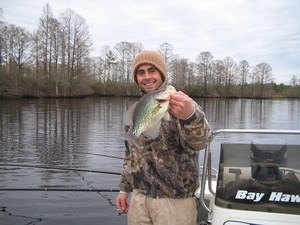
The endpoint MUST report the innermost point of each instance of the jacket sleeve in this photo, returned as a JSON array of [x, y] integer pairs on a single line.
[[125, 182], [196, 132]]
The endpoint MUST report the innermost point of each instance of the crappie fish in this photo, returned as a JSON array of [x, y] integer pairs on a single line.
[[148, 114]]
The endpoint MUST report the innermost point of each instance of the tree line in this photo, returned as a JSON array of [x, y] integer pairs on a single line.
[[55, 61]]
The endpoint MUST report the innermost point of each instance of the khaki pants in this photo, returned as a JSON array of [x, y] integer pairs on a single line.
[[144, 210]]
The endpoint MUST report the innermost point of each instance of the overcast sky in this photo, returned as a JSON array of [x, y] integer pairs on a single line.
[[254, 30]]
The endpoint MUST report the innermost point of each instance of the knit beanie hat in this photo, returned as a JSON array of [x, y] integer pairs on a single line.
[[153, 58]]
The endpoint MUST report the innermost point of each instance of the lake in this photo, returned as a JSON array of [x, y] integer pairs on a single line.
[[77, 144]]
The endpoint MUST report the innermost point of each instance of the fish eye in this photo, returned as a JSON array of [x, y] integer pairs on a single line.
[[161, 100]]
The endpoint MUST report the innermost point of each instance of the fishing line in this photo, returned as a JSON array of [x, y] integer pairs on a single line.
[[103, 155], [60, 168], [61, 189]]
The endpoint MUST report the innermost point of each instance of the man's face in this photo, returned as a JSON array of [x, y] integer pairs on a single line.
[[148, 78]]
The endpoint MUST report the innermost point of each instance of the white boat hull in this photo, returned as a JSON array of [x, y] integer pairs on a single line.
[[222, 216]]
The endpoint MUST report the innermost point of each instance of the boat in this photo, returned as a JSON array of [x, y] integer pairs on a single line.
[[257, 182]]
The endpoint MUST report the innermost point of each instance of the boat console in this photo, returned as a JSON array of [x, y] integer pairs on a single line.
[[258, 182], [262, 176]]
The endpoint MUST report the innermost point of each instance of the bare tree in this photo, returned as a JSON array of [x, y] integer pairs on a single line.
[[45, 52], [173, 70], [35, 54], [191, 79], [166, 50], [243, 71], [15, 52], [45, 35], [1, 39], [76, 48], [230, 73], [218, 71], [136, 47], [54, 53], [97, 68], [205, 62], [179, 71], [124, 52], [105, 67], [294, 81], [4, 47], [263, 75]]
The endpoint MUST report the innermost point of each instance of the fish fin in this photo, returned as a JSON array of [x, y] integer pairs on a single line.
[[171, 88], [155, 110], [132, 139], [153, 132], [167, 116], [129, 114]]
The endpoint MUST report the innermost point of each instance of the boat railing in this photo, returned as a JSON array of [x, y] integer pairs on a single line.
[[207, 167]]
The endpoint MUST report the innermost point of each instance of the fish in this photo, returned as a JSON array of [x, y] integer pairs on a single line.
[[148, 113]]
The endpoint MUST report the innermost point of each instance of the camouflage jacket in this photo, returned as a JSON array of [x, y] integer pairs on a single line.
[[166, 166]]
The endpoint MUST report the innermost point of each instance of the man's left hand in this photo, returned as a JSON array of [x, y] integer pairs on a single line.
[[181, 105]]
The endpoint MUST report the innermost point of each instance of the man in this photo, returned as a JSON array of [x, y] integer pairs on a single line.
[[163, 174]]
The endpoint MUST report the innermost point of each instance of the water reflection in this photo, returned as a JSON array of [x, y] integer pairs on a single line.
[[55, 131], [252, 113]]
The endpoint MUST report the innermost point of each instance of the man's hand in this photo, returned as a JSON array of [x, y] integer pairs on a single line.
[[181, 105], [121, 202]]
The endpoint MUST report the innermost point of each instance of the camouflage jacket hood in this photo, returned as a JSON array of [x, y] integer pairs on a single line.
[[166, 166]]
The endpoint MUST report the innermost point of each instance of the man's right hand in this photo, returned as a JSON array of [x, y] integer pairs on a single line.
[[121, 202]]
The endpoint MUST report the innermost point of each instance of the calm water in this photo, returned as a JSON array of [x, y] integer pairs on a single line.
[[86, 134]]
